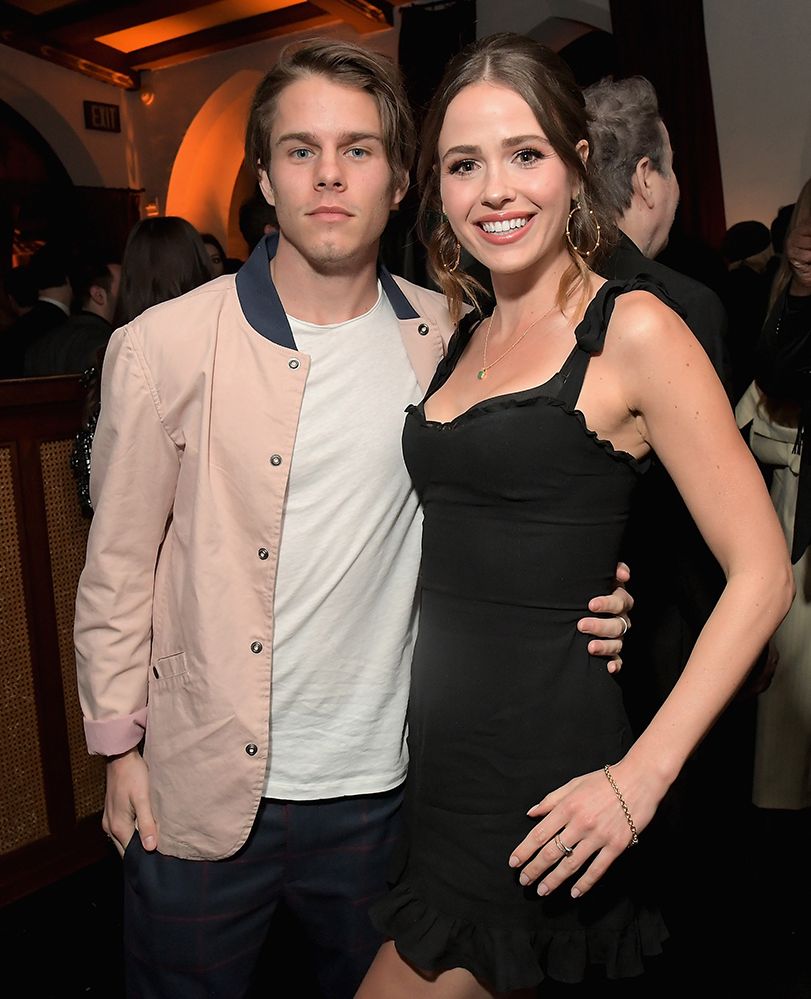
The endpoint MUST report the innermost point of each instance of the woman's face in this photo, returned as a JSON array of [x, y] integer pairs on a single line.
[[217, 263], [506, 192]]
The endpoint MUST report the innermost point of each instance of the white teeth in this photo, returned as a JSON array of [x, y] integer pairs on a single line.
[[505, 225]]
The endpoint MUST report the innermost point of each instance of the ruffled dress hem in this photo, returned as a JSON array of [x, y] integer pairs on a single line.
[[505, 958]]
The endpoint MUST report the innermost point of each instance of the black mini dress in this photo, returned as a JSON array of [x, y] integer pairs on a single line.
[[525, 510]]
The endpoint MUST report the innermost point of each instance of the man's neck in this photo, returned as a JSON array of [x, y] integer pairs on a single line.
[[54, 297], [328, 295], [94, 310], [634, 232]]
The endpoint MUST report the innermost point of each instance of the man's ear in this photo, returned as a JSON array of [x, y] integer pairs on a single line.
[[399, 190], [641, 181], [266, 188], [98, 295]]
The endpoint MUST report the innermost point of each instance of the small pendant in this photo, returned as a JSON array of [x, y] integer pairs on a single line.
[[482, 374]]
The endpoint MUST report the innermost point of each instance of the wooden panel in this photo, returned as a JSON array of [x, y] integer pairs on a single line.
[[23, 812], [50, 790], [67, 539]]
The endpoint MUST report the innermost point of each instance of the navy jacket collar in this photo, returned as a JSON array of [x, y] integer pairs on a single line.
[[262, 306]]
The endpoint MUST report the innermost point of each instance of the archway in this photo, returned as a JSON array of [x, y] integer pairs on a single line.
[[206, 171]]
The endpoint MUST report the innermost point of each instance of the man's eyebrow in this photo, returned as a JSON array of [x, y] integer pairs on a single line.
[[344, 139]]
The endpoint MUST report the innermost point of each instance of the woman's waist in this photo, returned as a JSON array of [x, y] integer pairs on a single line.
[[530, 564]]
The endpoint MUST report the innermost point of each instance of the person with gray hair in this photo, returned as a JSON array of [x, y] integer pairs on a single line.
[[630, 149]]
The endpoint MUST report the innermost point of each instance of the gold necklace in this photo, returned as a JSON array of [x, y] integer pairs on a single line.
[[482, 372]]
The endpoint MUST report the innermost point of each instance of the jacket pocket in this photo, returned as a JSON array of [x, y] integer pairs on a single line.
[[169, 666]]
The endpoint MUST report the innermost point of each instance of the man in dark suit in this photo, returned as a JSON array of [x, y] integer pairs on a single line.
[[677, 580], [74, 346], [54, 293]]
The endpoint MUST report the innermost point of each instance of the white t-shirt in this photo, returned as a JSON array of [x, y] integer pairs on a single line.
[[345, 610]]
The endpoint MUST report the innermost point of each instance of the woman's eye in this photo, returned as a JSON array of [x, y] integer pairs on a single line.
[[462, 166], [526, 157]]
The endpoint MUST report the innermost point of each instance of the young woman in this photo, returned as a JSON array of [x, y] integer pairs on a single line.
[[526, 794]]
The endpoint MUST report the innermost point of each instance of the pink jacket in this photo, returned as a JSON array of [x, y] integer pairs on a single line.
[[174, 612]]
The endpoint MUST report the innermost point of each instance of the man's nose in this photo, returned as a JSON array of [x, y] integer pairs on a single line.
[[330, 175]]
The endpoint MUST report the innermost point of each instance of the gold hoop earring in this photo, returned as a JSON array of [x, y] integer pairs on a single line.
[[583, 253], [450, 268]]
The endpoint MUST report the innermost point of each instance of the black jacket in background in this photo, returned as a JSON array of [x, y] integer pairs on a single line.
[[15, 342], [70, 348]]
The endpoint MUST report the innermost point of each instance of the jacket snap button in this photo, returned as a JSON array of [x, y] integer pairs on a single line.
[[263, 553], [251, 749], [275, 460], [423, 330], [256, 648], [294, 363]]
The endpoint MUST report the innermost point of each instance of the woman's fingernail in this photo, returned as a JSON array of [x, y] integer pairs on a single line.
[[542, 889], [514, 861], [524, 879], [576, 893]]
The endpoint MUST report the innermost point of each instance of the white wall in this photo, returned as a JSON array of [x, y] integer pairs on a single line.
[[50, 99], [760, 65]]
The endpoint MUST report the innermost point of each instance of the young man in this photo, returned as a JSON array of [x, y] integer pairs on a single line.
[[252, 507]]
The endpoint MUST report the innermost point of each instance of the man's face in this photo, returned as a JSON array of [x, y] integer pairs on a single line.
[[666, 192], [329, 180]]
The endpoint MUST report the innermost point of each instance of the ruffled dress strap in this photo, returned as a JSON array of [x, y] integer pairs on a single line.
[[591, 330]]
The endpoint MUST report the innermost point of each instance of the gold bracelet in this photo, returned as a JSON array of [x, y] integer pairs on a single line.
[[628, 819]]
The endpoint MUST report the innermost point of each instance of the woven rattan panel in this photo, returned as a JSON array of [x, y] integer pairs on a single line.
[[23, 815], [67, 538]]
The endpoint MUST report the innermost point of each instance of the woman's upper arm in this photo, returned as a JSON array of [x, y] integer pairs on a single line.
[[683, 413]]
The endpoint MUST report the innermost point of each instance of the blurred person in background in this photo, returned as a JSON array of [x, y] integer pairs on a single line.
[[773, 413], [74, 346], [257, 219], [221, 263], [49, 270], [747, 249], [19, 296], [164, 257]]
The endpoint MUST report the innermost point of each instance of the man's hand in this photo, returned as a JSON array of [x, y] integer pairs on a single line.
[[126, 803], [798, 254], [609, 630]]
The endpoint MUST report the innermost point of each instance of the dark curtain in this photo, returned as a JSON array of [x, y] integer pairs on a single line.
[[665, 42], [430, 35]]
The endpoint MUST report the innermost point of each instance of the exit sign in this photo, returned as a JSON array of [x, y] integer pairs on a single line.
[[101, 117]]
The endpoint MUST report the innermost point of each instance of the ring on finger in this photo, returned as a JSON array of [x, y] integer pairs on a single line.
[[626, 624], [567, 851]]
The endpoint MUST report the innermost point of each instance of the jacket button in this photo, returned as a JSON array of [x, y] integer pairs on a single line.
[[251, 749], [423, 330], [256, 648], [275, 460], [293, 363], [263, 553]]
